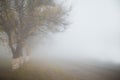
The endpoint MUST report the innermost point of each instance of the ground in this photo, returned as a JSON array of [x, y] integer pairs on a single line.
[[59, 70]]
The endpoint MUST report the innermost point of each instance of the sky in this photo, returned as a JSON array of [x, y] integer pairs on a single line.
[[94, 31]]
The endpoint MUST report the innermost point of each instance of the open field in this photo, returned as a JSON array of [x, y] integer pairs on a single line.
[[60, 70]]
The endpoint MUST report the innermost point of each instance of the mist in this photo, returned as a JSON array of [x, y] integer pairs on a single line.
[[89, 49], [93, 33]]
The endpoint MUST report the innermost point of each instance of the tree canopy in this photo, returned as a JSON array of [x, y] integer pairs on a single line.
[[20, 19]]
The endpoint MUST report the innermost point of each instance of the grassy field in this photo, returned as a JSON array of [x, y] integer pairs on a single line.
[[58, 70], [33, 71]]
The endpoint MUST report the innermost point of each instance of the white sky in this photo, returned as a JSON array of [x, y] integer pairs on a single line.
[[94, 32]]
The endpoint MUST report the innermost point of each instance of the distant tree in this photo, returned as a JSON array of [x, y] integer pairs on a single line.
[[21, 19]]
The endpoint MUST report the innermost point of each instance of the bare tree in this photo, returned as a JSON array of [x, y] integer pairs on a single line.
[[20, 19]]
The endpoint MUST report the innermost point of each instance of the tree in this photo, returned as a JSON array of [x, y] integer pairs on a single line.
[[21, 19]]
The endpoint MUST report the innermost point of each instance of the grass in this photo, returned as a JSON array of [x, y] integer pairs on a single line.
[[33, 71], [48, 70]]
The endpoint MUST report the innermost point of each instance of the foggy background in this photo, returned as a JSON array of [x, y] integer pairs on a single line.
[[94, 33], [88, 50]]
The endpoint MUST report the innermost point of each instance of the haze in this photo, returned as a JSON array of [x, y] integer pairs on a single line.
[[93, 33], [89, 49]]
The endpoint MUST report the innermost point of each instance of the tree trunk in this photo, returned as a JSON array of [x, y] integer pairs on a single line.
[[10, 43], [16, 49], [27, 52]]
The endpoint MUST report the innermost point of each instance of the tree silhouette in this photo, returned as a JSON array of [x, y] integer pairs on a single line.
[[21, 19]]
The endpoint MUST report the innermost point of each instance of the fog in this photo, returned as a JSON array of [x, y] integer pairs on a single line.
[[89, 49], [93, 33]]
